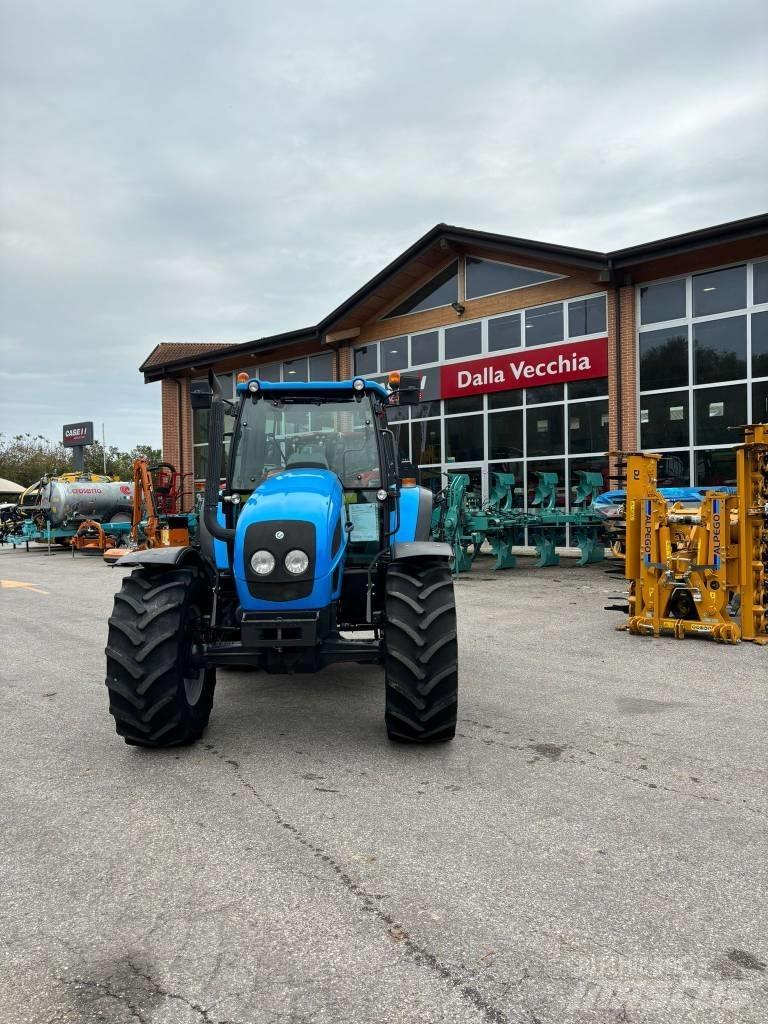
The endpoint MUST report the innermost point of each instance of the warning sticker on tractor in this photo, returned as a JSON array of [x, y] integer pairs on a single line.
[[364, 522]]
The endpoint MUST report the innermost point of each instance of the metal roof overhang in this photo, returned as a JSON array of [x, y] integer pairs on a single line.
[[244, 350]]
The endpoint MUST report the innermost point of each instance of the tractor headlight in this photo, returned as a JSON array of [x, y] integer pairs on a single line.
[[262, 562], [297, 562]]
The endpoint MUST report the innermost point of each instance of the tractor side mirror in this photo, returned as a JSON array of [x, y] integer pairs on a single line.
[[409, 391], [200, 397]]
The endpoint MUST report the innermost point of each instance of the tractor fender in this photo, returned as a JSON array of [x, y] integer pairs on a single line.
[[163, 558], [403, 550], [415, 514]]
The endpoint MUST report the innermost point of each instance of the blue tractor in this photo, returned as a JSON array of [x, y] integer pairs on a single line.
[[312, 551]]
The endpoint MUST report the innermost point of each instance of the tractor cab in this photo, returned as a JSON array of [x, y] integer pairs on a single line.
[[312, 551]]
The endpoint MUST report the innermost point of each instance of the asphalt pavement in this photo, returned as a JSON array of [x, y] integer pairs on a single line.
[[591, 847]]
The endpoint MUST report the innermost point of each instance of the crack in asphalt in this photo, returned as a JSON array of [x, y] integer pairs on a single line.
[[104, 989], [418, 953], [743, 805], [157, 990]]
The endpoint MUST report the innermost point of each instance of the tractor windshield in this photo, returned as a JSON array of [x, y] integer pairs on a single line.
[[271, 436]]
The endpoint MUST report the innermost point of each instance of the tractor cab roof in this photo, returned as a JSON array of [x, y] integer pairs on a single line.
[[319, 390]]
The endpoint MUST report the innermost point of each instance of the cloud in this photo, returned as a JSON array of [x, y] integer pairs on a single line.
[[182, 171]]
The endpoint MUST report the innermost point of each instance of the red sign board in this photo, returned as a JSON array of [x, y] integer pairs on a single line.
[[528, 368]]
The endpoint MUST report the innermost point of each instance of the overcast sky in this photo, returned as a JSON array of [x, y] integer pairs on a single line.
[[201, 171]]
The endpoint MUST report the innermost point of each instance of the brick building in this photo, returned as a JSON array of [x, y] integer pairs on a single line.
[[532, 356]]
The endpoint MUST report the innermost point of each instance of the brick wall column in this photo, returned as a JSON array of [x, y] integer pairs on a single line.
[[345, 362], [170, 412], [630, 440], [613, 393], [177, 428]]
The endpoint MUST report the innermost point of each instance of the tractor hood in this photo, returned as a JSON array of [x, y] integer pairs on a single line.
[[302, 509]]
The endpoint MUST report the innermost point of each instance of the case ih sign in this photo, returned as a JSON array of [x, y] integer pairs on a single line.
[[77, 433], [528, 368]]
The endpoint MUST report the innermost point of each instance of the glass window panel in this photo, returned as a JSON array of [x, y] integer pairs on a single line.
[[402, 441], [463, 340], [586, 316], [664, 420], [295, 369], [486, 277], [720, 350], [425, 442], [760, 402], [760, 283], [425, 348], [547, 393], [660, 302], [471, 403], [366, 360], [226, 383], [663, 358], [545, 430], [321, 367], [717, 409], [716, 468], [517, 469], [760, 344], [595, 464], [270, 372], [504, 399], [200, 426], [719, 291], [505, 435], [430, 393], [395, 413], [200, 456], [674, 469], [441, 290], [588, 427], [504, 332], [588, 388], [464, 439], [475, 488], [394, 354], [544, 324], [432, 479]]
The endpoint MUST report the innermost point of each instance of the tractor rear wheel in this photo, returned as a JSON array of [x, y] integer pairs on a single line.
[[157, 696], [420, 652]]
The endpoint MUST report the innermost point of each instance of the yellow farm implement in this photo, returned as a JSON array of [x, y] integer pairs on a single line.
[[700, 571]]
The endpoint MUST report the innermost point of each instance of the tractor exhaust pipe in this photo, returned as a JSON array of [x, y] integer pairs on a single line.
[[215, 444]]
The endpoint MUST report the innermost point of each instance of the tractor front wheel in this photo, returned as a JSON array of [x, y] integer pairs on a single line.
[[157, 695], [420, 652]]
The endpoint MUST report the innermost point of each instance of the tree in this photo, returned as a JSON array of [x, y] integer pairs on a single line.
[[24, 458]]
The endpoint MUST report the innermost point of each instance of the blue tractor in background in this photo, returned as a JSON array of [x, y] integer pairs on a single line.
[[312, 551]]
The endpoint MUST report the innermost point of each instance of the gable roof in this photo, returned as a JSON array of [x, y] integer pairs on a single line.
[[433, 251]]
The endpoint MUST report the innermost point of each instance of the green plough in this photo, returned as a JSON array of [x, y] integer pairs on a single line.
[[464, 523]]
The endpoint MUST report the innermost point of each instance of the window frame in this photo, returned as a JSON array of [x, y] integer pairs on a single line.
[[688, 321], [517, 287]]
